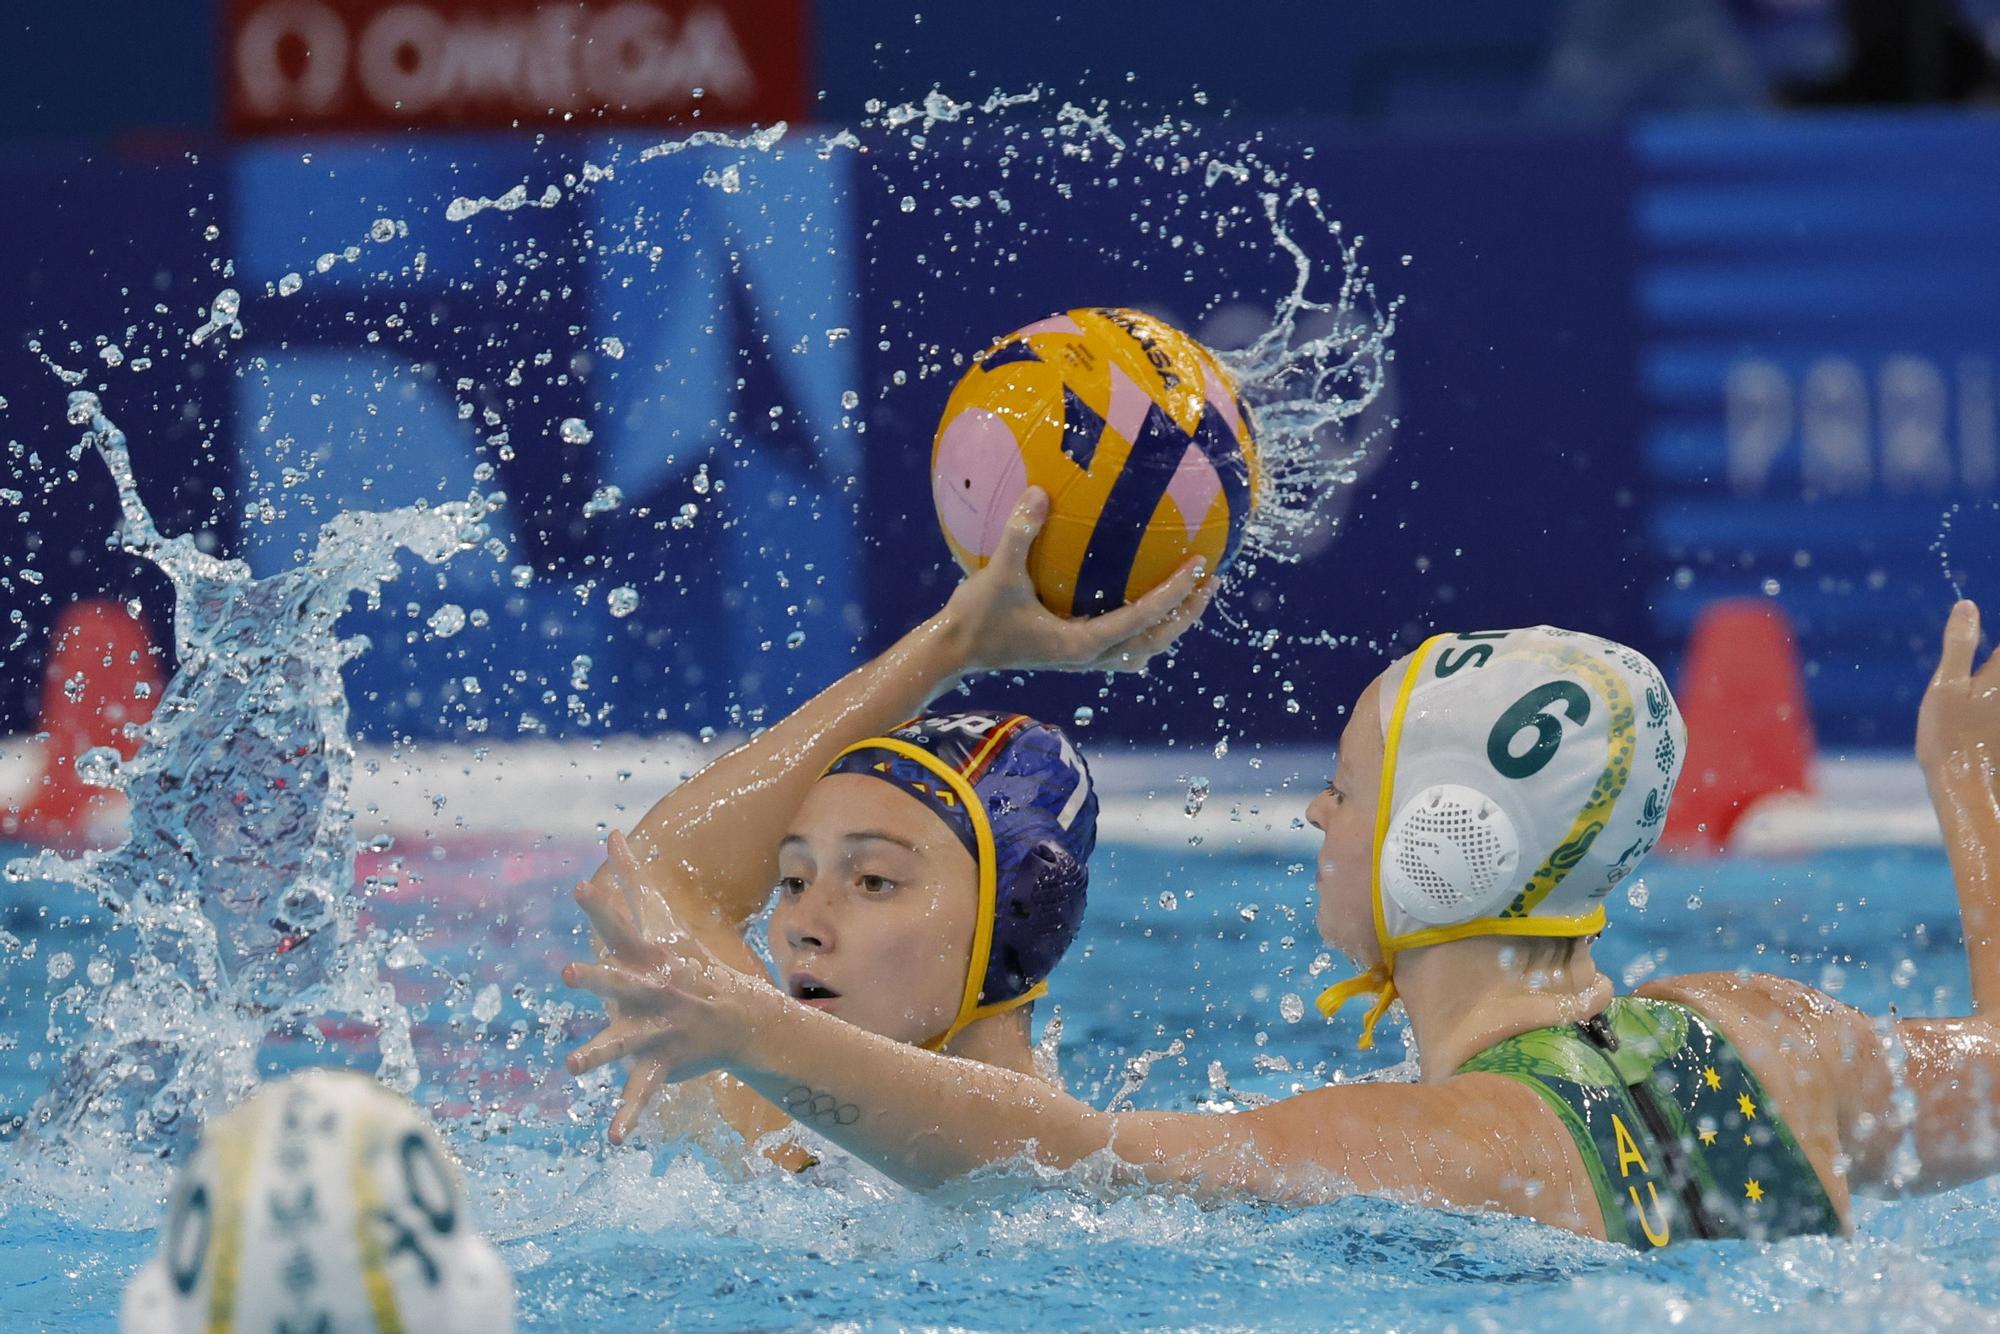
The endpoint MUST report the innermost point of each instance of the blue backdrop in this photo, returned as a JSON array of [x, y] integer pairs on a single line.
[[1634, 372]]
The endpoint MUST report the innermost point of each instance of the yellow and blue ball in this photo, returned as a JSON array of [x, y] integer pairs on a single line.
[[1136, 432]]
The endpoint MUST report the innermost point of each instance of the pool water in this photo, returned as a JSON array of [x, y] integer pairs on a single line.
[[1209, 948]]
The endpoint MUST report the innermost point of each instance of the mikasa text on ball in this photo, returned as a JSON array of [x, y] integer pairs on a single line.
[[1134, 430]]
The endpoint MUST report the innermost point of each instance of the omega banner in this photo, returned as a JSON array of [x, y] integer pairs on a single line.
[[493, 64]]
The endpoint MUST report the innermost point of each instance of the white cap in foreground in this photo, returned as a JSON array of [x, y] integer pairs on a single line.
[[325, 1202]]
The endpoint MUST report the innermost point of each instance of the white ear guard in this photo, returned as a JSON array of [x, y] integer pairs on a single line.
[[1450, 855]]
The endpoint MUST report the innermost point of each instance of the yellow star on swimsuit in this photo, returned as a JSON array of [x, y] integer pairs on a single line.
[[1744, 1105], [1714, 1080], [1754, 1190], [1708, 1136]]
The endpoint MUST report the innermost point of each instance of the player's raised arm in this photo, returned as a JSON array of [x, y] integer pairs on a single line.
[[1947, 1129], [711, 843]]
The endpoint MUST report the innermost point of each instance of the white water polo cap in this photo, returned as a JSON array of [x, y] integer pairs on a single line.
[[1524, 774], [325, 1202]]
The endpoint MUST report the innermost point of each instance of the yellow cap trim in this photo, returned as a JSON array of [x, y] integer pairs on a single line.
[[1587, 925], [1381, 978], [1604, 795], [1621, 739], [969, 1007], [233, 1152], [367, 1204]]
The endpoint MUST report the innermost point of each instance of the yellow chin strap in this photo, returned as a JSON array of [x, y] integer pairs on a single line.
[[1381, 979], [970, 1008]]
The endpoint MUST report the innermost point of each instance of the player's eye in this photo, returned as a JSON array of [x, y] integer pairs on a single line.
[[875, 884], [792, 885]]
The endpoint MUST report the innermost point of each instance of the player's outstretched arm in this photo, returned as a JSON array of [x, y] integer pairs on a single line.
[[1901, 1104], [924, 1118]]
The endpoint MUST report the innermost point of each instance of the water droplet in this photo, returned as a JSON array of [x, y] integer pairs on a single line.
[[850, 400], [522, 575], [447, 620], [486, 1005], [701, 481], [290, 283], [623, 600], [1197, 796], [908, 205], [612, 347], [795, 638], [382, 229], [1292, 1007], [604, 500], [574, 431], [99, 970], [1083, 716], [1169, 900], [100, 767]]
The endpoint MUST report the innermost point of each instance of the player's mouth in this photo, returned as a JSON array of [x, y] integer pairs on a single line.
[[810, 990]]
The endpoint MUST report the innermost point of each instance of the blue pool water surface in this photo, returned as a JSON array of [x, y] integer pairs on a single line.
[[1203, 946]]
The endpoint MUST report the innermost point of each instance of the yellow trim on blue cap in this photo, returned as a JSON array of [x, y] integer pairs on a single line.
[[969, 1007]]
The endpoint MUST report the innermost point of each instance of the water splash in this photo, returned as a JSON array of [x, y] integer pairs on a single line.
[[236, 880], [1959, 547], [1137, 1069], [1320, 357], [1306, 383]]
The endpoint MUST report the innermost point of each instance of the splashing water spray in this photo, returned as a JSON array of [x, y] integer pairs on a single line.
[[236, 880]]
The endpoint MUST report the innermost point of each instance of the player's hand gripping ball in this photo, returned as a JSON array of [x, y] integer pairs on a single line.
[[1134, 430]]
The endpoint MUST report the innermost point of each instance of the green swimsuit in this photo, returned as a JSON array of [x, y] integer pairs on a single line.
[[1678, 1134]]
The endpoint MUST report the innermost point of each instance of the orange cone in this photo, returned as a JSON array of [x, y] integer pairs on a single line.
[[1749, 730], [101, 684]]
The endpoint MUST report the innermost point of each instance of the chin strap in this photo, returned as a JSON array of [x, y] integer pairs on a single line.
[[975, 1013], [1377, 980]]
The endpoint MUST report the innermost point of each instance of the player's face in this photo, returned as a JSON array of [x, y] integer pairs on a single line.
[[1345, 814], [876, 907]]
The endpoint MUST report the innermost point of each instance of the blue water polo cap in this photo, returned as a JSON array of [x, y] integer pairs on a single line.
[[1019, 797]]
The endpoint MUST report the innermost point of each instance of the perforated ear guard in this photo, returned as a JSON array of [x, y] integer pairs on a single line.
[[1450, 855]]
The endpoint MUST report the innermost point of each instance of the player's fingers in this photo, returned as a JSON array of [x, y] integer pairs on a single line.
[[629, 878], [615, 982], [1136, 651], [645, 1080], [606, 1047], [1147, 611], [1961, 641], [607, 917], [601, 906], [1024, 525]]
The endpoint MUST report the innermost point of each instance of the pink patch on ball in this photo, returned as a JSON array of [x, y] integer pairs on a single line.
[[1224, 401], [1129, 406], [978, 475], [1194, 488], [1053, 324]]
